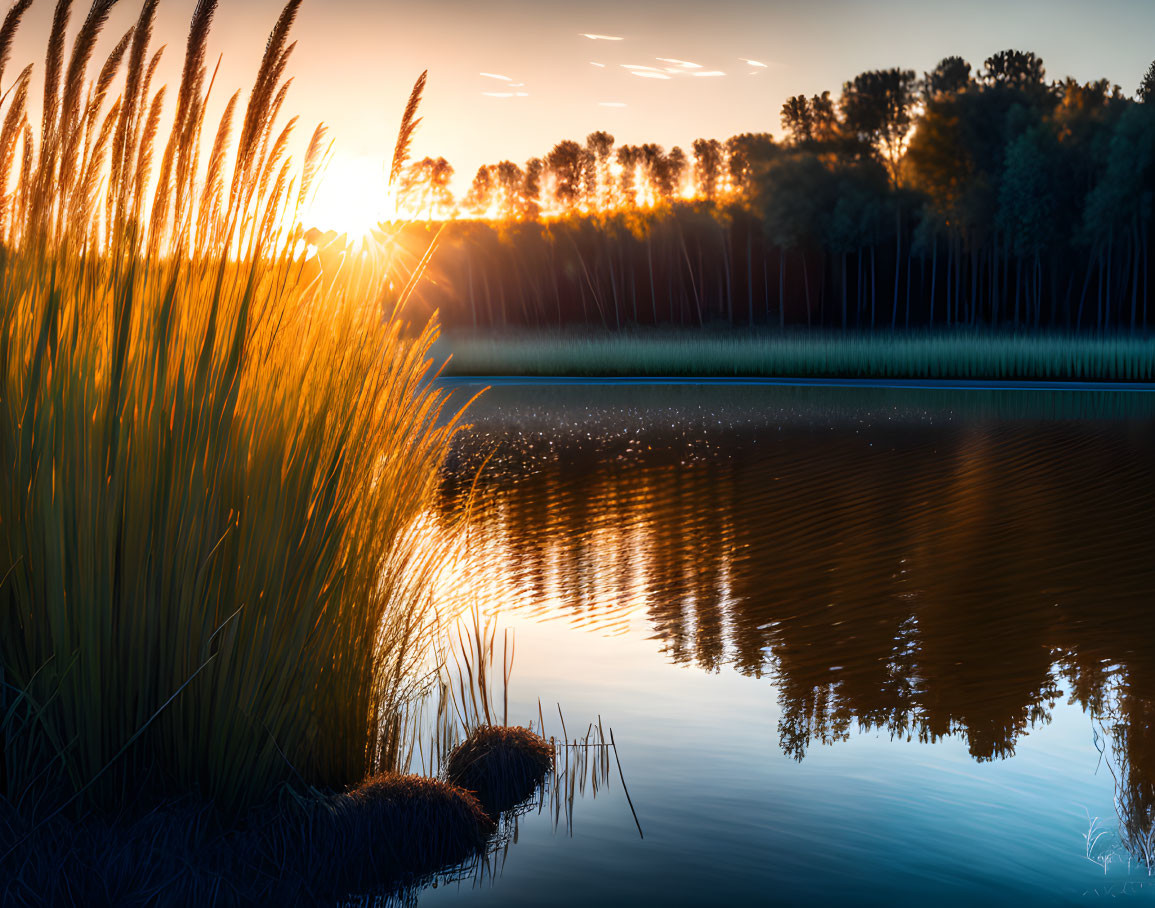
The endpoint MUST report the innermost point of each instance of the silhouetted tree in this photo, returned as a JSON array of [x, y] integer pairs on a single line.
[[876, 108], [629, 158], [1118, 216], [534, 168], [599, 146], [1022, 70], [746, 155], [1147, 86], [509, 189], [798, 120], [1026, 212], [566, 165], [707, 166], [675, 172], [423, 189], [824, 117], [480, 195], [952, 74]]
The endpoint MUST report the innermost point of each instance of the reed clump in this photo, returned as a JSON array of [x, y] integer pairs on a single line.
[[389, 830], [501, 765], [210, 457]]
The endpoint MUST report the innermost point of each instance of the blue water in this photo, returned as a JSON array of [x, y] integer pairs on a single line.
[[880, 648]]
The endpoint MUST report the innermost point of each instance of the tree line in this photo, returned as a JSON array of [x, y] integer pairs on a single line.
[[961, 198]]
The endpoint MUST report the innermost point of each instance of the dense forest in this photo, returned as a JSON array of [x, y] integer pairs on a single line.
[[978, 198]]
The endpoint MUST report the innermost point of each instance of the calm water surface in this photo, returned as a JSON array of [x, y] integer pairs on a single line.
[[856, 646]]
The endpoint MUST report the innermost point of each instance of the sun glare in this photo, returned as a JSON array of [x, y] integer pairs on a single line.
[[352, 197]]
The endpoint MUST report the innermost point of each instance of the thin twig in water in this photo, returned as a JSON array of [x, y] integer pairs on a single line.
[[622, 776]]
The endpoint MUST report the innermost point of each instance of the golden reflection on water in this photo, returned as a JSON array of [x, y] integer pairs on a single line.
[[924, 578]]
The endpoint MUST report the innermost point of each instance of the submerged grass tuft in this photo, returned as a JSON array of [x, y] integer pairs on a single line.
[[502, 765]]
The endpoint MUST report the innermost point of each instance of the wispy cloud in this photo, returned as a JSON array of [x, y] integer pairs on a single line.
[[705, 74], [508, 83], [601, 37], [599, 65], [638, 66], [683, 64], [754, 63], [649, 75]]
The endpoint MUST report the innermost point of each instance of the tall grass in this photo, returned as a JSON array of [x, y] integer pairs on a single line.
[[209, 454], [974, 356]]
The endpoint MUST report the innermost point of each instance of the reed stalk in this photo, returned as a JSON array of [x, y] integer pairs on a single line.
[[211, 456]]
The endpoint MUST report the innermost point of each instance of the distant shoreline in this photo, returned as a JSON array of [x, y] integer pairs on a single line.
[[453, 380], [971, 360]]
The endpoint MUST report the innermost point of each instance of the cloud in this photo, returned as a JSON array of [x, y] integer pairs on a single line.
[[709, 73], [601, 37], [500, 78], [753, 63], [648, 75], [683, 64], [599, 65], [638, 66]]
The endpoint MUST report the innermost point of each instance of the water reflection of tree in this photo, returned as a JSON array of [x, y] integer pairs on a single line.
[[1119, 699], [922, 582]]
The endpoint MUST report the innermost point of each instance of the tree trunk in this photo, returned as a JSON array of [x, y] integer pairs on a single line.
[[781, 288], [933, 279], [1135, 272], [897, 265], [873, 288], [859, 291], [749, 279], [909, 269], [650, 262], [469, 279], [995, 281], [1018, 287], [806, 286], [843, 292], [949, 278]]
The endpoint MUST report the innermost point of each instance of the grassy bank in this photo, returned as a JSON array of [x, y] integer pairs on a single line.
[[931, 356]]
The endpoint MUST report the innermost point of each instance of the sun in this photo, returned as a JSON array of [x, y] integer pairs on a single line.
[[352, 197]]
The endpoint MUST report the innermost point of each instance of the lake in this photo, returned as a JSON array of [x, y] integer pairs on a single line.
[[870, 646]]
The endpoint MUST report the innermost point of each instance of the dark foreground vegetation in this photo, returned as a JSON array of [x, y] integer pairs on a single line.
[[988, 199], [215, 617], [305, 847], [301, 849]]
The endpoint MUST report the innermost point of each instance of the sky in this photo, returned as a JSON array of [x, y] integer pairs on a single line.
[[510, 78]]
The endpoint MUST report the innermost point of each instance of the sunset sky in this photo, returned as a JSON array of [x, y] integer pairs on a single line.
[[509, 78]]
